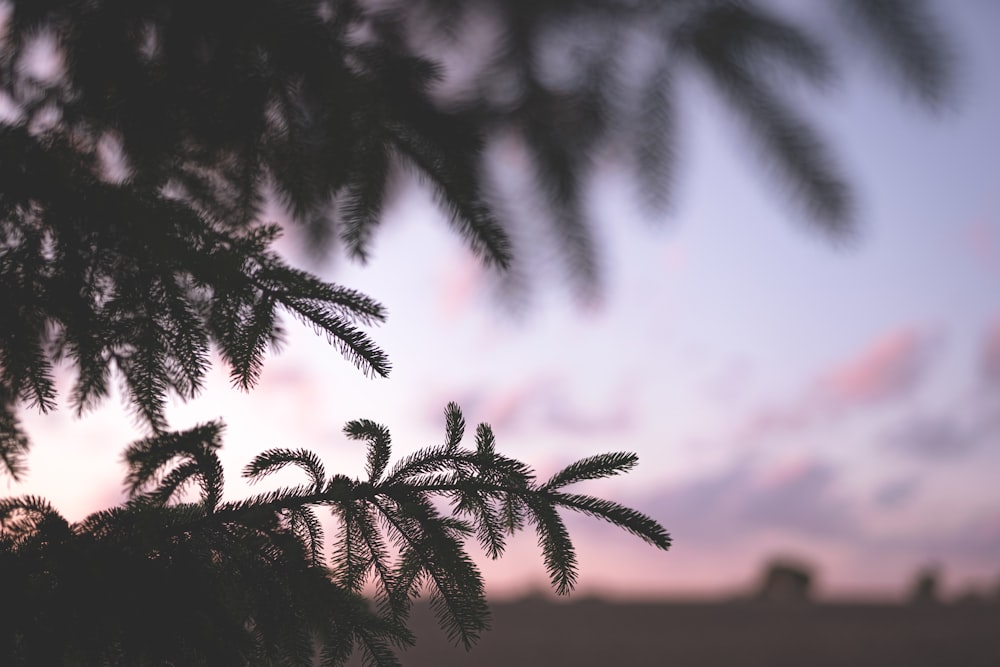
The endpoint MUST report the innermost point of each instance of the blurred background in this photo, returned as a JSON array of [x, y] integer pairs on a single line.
[[838, 405]]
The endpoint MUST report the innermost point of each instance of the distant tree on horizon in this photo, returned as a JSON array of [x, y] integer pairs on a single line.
[[786, 580], [926, 586], [139, 143]]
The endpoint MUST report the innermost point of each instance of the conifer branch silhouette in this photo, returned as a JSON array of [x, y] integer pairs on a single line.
[[258, 564]]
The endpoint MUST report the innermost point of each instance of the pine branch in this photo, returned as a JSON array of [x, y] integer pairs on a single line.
[[172, 485], [457, 597], [725, 41], [376, 651], [752, 35], [454, 426], [13, 441], [557, 549], [246, 324], [22, 515], [27, 371], [309, 530], [592, 467], [391, 605], [426, 461], [123, 276], [352, 342], [148, 458], [364, 196], [458, 194], [272, 460], [904, 34], [558, 171], [655, 153], [378, 440], [351, 556], [485, 445], [284, 282], [490, 528], [626, 518], [255, 567]]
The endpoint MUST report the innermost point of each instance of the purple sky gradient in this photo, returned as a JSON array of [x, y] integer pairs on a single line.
[[786, 397]]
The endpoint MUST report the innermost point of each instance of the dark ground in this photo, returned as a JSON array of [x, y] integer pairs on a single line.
[[745, 634]]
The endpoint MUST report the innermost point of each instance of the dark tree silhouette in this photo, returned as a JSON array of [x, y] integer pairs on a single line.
[[786, 580], [161, 581], [139, 141]]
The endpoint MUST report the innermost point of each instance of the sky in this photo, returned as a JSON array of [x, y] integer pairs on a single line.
[[787, 397]]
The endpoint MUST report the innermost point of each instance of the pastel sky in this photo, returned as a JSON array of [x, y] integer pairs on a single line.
[[785, 396]]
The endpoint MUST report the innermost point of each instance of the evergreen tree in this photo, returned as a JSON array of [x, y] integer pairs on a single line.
[[139, 140]]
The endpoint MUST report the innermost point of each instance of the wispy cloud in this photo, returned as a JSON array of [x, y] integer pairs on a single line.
[[933, 438], [990, 356], [890, 367], [895, 493], [799, 497], [983, 241], [546, 402], [971, 421], [808, 503], [732, 383], [461, 279]]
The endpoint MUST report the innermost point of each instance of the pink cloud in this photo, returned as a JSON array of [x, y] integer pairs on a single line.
[[982, 239], [895, 493], [933, 438], [787, 473], [509, 405], [674, 258], [461, 279], [800, 497], [731, 383], [614, 419], [502, 408], [544, 402], [889, 367], [990, 355], [781, 419]]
